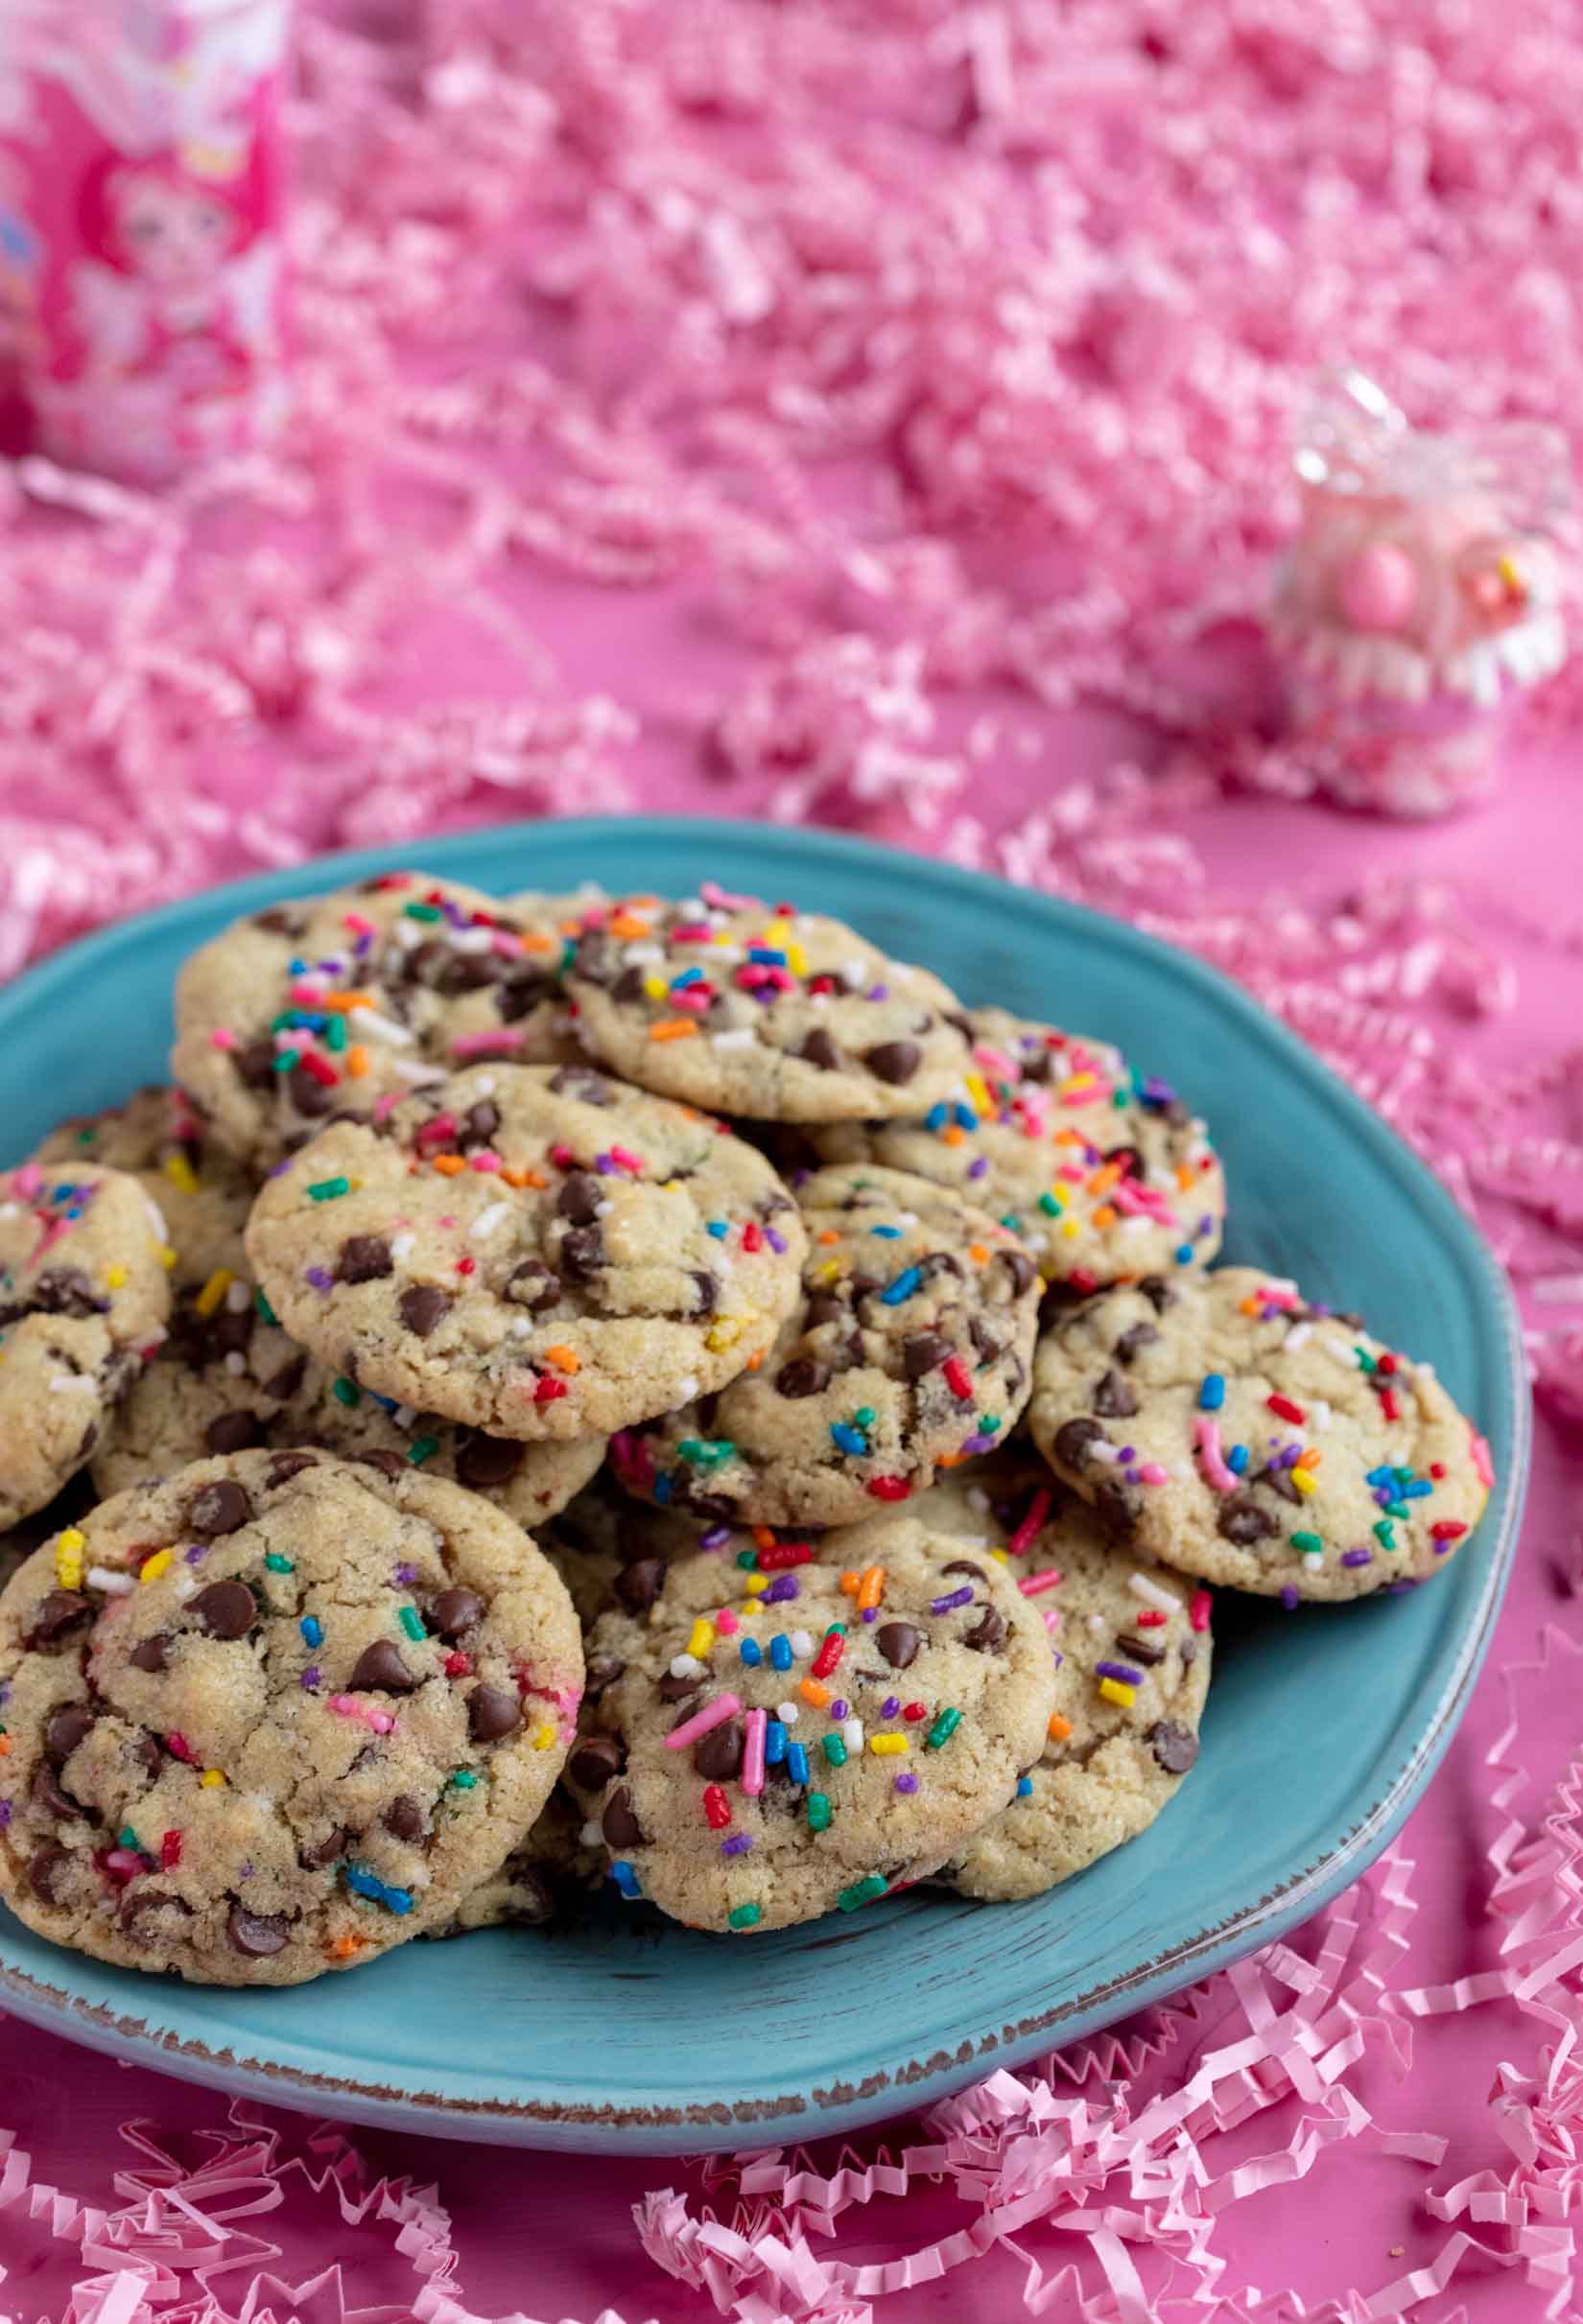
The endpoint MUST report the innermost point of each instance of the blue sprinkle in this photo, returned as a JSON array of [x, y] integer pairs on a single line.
[[691, 975], [964, 1117], [720, 1228], [751, 1652], [903, 1288], [313, 1631], [796, 1762], [1024, 1787], [936, 1117], [364, 1883], [1236, 1460], [766, 956], [848, 1439], [1184, 1255], [1211, 1394], [1417, 1491], [1384, 1474], [661, 1489], [625, 1879], [780, 1651], [775, 1742], [891, 1235]]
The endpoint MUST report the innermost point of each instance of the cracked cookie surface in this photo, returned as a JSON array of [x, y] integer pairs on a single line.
[[1226, 1426], [538, 1252], [274, 1715], [910, 1345]]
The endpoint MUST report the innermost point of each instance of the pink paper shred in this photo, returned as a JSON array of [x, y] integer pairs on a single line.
[[937, 362]]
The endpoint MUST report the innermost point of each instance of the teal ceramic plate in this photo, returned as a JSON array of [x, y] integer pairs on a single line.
[[1322, 1730]]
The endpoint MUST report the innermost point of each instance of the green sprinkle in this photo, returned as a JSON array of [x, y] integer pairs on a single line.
[[346, 1391], [747, 1558], [421, 1450], [285, 1059], [942, 1731], [835, 1750], [1310, 1544], [744, 1917], [263, 1309], [85, 1137], [329, 1189], [1120, 1098], [423, 911], [410, 1623], [278, 1564], [334, 1033], [1397, 1508], [127, 1837], [699, 1455], [463, 1780], [988, 1423], [1384, 1535], [278, 1024], [864, 1417], [1012, 1221], [862, 1892], [1050, 1207], [1366, 1360], [819, 1811]]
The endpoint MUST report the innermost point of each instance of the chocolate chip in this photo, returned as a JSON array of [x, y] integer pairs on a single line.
[[257, 1934], [594, 959], [47, 1796], [628, 985], [924, 1352], [278, 921], [580, 1199], [532, 1899], [521, 991], [577, 1081], [532, 1285], [602, 1671], [486, 1462], [481, 1122], [894, 1060], [327, 1851], [66, 1729], [619, 1825], [1136, 1336], [820, 1050], [150, 1916], [939, 1262], [225, 1609], [453, 1612], [1117, 1509], [233, 1432], [1157, 1291], [286, 1382], [1114, 1397], [386, 1463], [404, 1817], [825, 1307], [707, 1286], [987, 1345], [423, 1307], [898, 1642], [1140, 1650], [229, 1332], [67, 1291], [153, 1652], [60, 1611], [254, 1064], [718, 1753], [597, 1761], [1020, 1269], [363, 1258], [309, 1095], [492, 1711], [217, 1509], [284, 1467], [379, 1670], [639, 1586], [1245, 1522], [1073, 1439], [801, 1377], [1175, 1747], [582, 1252], [1127, 1159], [1279, 1480], [44, 1871], [673, 1688], [143, 1752], [987, 1635], [964, 1565]]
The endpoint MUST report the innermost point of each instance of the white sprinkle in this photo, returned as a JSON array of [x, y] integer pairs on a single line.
[[802, 1643], [852, 1734], [857, 970], [404, 1416], [486, 1085], [421, 1077], [401, 1245], [1338, 1348], [786, 1713], [156, 1218], [68, 1383], [1098, 1624], [1297, 1335], [520, 1327], [591, 1836], [236, 1363], [603, 1208], [11, 1210], [376, 1027], [471, 940], [686, 1666], [977, 1499], [113, 1584], [184, 1584], [742, 1037], [239, 1295], [1098, 1451], [1320, 1413], [1142, 1587], [689, 1390], [487, 1221], [644, 955]]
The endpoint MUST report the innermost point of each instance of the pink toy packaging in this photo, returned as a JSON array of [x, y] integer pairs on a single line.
[[1421, 599], [142, 273]]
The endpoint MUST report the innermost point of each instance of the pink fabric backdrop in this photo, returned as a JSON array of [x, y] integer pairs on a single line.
[[667, 442]]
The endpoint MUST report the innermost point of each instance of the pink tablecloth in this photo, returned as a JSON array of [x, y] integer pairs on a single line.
[[668, 441]]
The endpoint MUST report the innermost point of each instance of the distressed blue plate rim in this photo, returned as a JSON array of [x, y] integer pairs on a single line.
[[772, 2095]]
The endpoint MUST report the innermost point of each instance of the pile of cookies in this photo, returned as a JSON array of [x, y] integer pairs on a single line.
[[569, 1390]]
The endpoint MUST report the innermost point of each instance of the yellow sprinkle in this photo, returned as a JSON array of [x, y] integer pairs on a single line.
[[886, 1747], [68, 1557], [215, 1290], [702, 1638], [1305, 1480], [655, 987], [828, 1273], [180, 1173], [999, 1553], [750, 1608], [723, 1334], [976, 1091], [1070, 1228], [166, 1256], [1114, 1691], [211, 1779], [777, 934], [1058, 1199], [114, 1277], [756, 1583], [797, 960], [156, 1565], [1074, 1083], [543, 1737]]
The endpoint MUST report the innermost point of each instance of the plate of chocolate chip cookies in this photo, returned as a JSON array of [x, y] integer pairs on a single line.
[[668, 1486]]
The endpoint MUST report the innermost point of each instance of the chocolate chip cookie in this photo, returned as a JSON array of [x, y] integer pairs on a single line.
[[910, 1348], [537, 1251], [274, 1715], [202, 1193], [1227, 1426]]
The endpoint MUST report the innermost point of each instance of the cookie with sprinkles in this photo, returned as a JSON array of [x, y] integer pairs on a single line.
[[910, 1348], [752, 1763], [538, 1253], [759, 1010], [84, 1295], [315, 1010], [274, 1715], [1130, 1642], [202, 1192], [226, 1379], [1227, 1426], [1103, 1171]]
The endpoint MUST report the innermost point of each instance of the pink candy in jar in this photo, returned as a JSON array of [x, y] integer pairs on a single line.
[[1420, 601], [141, 227]]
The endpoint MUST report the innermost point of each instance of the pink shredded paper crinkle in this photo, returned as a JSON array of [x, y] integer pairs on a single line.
[[876, 413]]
